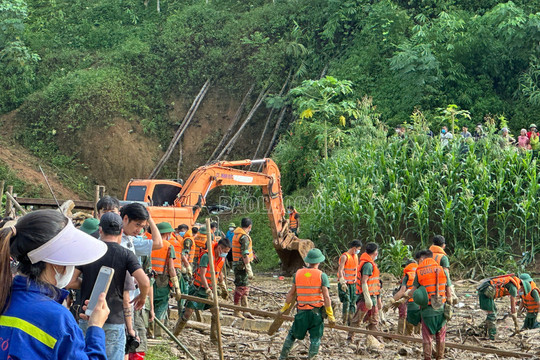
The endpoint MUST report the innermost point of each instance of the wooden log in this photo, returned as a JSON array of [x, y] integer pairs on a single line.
[[215, 314], [87, 205], [15, 203], [480, 349], [235, 121], [183, 126], [174, 338], [96, 199], [227, 149], [2, 184], [8, 202]]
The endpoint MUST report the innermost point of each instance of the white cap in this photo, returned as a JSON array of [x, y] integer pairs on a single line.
[[70, 246]]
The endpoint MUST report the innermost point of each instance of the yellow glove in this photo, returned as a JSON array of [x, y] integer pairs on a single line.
[[177, 291], [249, 271], [343, 284], [330, 314], [367, 297], [223, 290], [285, 307]]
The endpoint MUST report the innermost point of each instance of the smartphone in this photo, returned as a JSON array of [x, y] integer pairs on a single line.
[[101, 285]]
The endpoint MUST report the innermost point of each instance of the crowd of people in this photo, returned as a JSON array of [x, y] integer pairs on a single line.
[[154, 262]]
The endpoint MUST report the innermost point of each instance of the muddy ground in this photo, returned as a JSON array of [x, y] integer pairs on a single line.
[[245, 345]]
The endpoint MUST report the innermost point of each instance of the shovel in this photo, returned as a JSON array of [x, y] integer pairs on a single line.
[[436, 300]]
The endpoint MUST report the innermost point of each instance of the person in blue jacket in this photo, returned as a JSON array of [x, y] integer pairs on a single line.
[[33, 322]]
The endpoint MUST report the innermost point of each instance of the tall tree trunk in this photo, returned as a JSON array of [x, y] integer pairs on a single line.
[[235, 121], [181, 129]]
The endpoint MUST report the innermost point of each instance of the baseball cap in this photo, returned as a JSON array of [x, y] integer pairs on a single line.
[[70, 246], [111, 223], [90, 226]]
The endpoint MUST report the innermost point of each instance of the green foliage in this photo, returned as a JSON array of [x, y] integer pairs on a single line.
[[20, 187], [393, 255]]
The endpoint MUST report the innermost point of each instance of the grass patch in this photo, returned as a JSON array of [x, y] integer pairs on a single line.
[[160, 352]]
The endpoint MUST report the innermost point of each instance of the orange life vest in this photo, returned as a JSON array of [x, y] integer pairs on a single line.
[[528, 300], [349, 270], [160, 257], [293, 221], [236, 247], [438, 253], [374, 282], [218, 265], [410, 272], [427, 273], [308, 283], [199, 242], [499, 282], [177, 243]]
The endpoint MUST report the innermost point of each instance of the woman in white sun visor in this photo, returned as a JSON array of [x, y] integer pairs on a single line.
[[33, 322]]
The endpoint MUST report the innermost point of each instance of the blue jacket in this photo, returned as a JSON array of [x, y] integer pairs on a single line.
[[36, 326], [230, 235]]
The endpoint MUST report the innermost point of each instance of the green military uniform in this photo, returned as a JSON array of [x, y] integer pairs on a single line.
[[530, 319], [413, 309], [488, 304], [239, 268], [367, 269], [199, 291], [162, 290], [348, 298], [433, 318], [184, 279]]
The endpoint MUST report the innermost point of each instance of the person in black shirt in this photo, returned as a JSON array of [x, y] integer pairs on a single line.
[[121, 260]]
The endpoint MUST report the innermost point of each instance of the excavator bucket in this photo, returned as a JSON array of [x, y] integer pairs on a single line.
[[291, 251]]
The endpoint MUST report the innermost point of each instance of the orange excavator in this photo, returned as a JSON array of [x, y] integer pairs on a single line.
[[171, 201]]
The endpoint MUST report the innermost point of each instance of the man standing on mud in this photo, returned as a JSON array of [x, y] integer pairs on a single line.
[[242, 249]]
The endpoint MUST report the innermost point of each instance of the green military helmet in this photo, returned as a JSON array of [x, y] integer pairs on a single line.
[[526, 283], [420, 297], [164, 227], [202, 230], [314, 256], [232, 225], [90, 226]]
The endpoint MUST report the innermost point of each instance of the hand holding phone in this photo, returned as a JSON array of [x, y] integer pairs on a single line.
[[100, 313], [100, 286]]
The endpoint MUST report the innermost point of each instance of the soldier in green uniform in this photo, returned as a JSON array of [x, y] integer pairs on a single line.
[[530, 300], [242, 251]]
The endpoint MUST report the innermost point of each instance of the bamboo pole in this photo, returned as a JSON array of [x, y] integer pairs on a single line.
[[96, 199], [215, 315], [174, 338], [8, 202], [15, 203], [480, 349], [2, 184]]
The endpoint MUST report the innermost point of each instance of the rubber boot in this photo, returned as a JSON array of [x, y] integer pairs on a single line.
[[314, 345], [418, 329], [409, 328], [287, 346], [401, 326], [237, 313], [491, 327], [345, 318], [245, 303], [180, 325], [440, 351], [427, 351], [355, 322]]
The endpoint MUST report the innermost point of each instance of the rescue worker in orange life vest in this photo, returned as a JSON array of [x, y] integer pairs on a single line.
[[294, 220], [409, 311], [368, 289], [348, 262], [432, 300], [439, 255], [310, 286], [163, 265], [495, 288], [530, 300], [202, 285], [242, 250], [182, 264]]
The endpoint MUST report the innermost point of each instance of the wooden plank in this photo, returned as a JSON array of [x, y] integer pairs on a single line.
[[506, 353], [15, 203], [87, 205], [8, 202]]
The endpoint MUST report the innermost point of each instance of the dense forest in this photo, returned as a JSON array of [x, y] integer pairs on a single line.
[[345, 71]]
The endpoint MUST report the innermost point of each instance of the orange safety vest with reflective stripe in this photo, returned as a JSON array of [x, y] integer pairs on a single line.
[[308, 282], [438, 253], [218, 265], [427, 273], [177, 243], [199, 242], [236, 247], [499, 283], [410, 271], [373, 282], [349, 270], [293, 221], [160, 257], [528, 300]]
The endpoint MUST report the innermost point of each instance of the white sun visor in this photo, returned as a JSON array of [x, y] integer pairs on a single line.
[[70, 246]]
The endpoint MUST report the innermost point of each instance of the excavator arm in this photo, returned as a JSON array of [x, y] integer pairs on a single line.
[[290, 249]]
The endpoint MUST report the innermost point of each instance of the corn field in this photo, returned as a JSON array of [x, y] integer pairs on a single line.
[[482, 197]]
